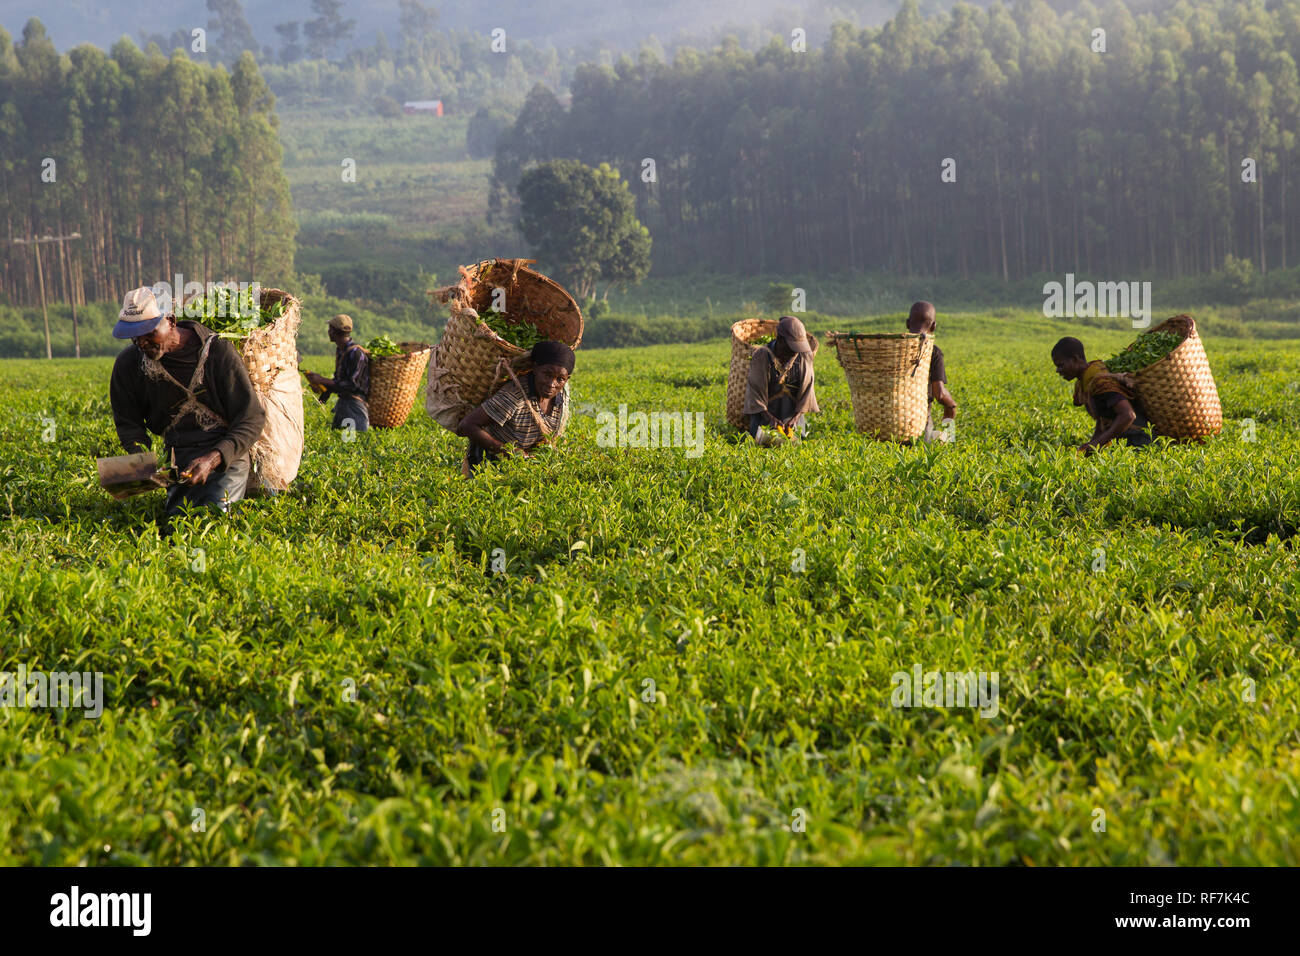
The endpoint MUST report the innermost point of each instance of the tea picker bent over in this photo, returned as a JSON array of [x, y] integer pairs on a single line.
[[351, 381], [921, 319], [522, 414], [184, 382], [779, 391], [1107, 397]]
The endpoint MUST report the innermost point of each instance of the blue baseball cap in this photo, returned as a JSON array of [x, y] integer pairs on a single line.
[[140, 314]]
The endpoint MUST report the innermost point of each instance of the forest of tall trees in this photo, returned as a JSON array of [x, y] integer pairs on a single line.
[[1012, 141], [163, 166]]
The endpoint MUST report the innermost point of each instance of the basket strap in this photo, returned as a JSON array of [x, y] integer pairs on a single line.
[[917, 363]]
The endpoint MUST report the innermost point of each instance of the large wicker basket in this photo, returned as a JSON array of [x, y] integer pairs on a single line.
[[271, 349], [464, 367], [394, 382], [1178, 391], [743, 333], [889, 381]]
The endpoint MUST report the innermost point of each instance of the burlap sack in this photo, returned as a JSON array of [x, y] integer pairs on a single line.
[[441, 397], [278, 452]]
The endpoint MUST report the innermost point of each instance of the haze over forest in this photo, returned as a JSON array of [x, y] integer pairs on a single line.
[[584, 25]]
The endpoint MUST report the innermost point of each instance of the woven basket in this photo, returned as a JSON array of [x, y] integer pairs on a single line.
[[464, 365], [271, 349], [1178, 391], [742, 353], [394, 382], [889, 382]]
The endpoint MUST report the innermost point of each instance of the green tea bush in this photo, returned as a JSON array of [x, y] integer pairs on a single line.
[[631, 656]]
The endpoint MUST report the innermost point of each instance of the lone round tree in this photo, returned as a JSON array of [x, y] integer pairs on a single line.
[[582, 226]]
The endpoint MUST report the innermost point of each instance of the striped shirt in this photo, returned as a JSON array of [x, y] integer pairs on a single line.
[[513, 423]]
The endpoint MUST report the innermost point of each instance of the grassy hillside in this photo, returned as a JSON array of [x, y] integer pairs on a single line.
[[418, 201]]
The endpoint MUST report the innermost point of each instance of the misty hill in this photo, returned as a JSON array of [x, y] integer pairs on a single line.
[[618, 24]]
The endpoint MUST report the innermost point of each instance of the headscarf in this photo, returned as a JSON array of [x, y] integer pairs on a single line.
[[549, 352]]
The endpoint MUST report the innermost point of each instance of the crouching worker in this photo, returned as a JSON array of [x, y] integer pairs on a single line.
[[182, 381], [351, 381], [779, 391], [1107, 397], [921, 319], [521, 415]]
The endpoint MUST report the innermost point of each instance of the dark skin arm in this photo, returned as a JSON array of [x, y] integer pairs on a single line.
[[1124, 419], [474, 427], [327, 384], [778, 422], [939, 392], [315, 378], [202, 468]]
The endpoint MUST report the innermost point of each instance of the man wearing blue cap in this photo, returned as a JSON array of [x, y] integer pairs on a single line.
[[182, 381]]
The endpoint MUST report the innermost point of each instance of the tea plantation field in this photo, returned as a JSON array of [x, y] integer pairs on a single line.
[[687, 660]]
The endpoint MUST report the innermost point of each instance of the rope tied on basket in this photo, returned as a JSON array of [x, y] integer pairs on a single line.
[[517, 265], [786, 369], [919, 352]]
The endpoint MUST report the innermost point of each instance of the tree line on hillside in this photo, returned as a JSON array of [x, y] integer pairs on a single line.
[[1012, 141], [314, 62], [163, 166], [457, 68], [315, 37]]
